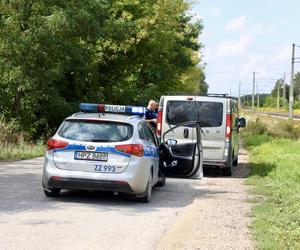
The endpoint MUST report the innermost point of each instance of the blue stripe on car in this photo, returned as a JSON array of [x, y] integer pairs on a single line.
[[151, 152]]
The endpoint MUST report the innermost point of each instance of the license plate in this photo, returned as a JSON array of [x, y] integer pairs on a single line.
[[105, 168], [91, 156]]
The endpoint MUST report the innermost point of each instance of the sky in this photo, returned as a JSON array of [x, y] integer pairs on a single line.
[[245, 36]]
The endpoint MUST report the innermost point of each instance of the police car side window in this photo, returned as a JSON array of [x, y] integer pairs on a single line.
[[141, 131], [149, 134]]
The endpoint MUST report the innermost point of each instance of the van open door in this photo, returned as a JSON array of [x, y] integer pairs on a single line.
[[181, 160]]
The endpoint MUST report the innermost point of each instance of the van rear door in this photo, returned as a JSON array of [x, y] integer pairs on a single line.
[[177, 110], [211, 113]]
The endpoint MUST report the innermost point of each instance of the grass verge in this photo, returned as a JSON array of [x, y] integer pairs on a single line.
[[275, 176], [21, 151], [13, 146]]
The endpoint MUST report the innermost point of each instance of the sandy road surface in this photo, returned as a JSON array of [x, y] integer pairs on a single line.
[[82, 220], [220, 220]]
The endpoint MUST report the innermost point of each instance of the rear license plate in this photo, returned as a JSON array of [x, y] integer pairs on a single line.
[[91, 156]]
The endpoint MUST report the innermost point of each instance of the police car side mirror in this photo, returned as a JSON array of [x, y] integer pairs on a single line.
[[171, 141], [242, 122]]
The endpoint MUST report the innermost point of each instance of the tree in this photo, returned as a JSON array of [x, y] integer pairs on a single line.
[[55, 54]]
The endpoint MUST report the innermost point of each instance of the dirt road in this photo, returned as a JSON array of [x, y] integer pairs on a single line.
[[185, 214], [218, 220]]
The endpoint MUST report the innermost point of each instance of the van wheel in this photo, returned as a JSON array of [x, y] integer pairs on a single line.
[[161, 183], [148, 192], [236, 161], [228, 170], [52, 192]]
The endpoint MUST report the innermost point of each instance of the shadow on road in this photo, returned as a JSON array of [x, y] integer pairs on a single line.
[[240, 171], [21, 190]]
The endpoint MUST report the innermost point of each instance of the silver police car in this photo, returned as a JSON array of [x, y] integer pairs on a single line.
[[112, 148]]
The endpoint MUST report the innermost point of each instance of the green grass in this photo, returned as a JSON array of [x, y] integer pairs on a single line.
[[21, 151], [275, 176], [281, 110], [13, 145]]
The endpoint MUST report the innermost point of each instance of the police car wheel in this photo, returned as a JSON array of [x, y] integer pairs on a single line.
[[52, 192], [148, 192]]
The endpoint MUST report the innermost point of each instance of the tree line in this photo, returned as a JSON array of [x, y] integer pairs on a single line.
[[55, 54], [281, 88]]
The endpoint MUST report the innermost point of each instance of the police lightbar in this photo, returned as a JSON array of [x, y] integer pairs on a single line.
[[105, 108]]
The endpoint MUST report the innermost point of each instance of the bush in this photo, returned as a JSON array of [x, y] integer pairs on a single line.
[[285, 129], [256, 127], [13, 143], [9, 132], [271, 127]]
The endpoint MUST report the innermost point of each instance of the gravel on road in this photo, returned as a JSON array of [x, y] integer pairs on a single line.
[[220, 220], [185, 214]]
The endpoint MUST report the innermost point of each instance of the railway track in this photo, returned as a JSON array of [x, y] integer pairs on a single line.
[[274, 114]]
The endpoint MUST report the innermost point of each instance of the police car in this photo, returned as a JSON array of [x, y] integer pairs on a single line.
[[113, 148]]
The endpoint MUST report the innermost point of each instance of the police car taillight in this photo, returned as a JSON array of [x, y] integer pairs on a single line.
[[132, 149], [105, 108], [54, 144]]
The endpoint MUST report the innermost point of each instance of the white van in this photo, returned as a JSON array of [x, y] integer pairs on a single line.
[[219, 119]]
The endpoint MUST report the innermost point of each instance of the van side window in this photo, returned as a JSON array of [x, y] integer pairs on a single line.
[[210, 114], [180, 111]]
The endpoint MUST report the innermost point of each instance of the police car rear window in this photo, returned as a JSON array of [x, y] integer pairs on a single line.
[[95, 131], [210, 114]]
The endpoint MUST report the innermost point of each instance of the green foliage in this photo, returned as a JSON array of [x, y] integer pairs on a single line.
[[256, 127], [55, 54], [262, 128], [275, 177], [275, 174], [270, 101], [21, 151], [253, 140], [13, 145], [285, 129]]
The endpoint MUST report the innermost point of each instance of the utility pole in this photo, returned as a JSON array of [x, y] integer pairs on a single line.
[[291, 99], [239, 100], [278, 84], [257, 93], [284, 93], [253, 91]]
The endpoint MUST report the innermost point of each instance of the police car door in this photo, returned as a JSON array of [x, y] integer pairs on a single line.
[[150, 146], [181, 159]]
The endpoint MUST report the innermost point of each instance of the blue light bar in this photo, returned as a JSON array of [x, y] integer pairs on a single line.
[[117, 109], [88, 107]]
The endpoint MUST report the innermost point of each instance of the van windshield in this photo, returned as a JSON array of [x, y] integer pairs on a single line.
[[209, 114]]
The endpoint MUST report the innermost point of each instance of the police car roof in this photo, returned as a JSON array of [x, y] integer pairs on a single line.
[[107, 117]]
